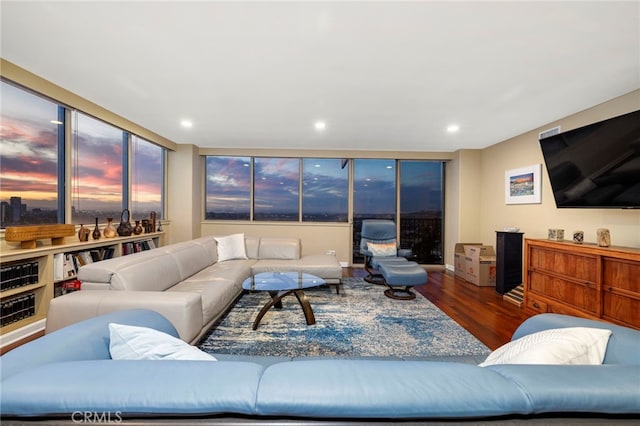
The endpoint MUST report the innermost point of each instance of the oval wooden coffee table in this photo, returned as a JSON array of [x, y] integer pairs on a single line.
[[281, 284]]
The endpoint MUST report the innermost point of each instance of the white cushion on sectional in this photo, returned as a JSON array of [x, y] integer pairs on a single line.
[[572, 345], [231, 247], [128, 342]]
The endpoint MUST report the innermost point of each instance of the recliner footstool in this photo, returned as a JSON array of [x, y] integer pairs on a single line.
[[400, 277]]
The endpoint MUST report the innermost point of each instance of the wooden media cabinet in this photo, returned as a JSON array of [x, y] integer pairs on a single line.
[[583, 280]]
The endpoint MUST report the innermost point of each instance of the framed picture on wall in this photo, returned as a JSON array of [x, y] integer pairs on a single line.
[[522, 186]]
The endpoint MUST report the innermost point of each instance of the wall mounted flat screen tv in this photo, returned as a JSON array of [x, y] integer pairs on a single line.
[[596, 166]]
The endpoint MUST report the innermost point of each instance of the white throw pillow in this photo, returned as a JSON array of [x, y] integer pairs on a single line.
[[383, 249], [136, 343], [573, 345], [231, 247]]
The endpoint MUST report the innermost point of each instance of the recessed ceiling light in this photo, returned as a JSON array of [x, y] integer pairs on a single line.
[[453, 128], [186, 123], [320, 126]]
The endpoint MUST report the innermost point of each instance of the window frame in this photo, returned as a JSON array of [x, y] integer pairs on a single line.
[[64, 166]]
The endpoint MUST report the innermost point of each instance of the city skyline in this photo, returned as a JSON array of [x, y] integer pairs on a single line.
[[29, 131]]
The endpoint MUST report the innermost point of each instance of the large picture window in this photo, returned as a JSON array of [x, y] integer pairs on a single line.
[[325, 190], [96, 169], [408, 192], [276, 189], [421, 209], [31, 128], [147, 178], [374, 195], [228, 188]]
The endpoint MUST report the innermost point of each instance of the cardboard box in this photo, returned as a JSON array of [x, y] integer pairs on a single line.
[[460, 264], [480, 265]]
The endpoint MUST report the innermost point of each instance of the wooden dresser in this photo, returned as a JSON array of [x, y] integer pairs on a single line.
[[583, 280]]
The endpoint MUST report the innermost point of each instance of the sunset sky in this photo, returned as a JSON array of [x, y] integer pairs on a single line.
[[29, 157]]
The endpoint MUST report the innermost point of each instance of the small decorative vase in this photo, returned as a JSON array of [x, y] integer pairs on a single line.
[[578, 237], [603, 237], [83, 233], [152, 220], [110, 230], [145, 226], [125, 229], [96, 231], [160, 227], [137, 230]]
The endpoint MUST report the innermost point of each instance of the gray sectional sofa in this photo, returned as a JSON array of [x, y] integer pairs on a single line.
[[191, 283], [69, 373]]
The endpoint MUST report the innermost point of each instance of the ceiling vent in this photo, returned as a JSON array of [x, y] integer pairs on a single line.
[[549, 132]]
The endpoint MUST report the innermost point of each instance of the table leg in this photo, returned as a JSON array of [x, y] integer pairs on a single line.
[[306, 306], [276, 301]]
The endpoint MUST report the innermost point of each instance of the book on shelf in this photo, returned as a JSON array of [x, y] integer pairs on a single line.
[[137, 246], [58, 266], [17, 308], [18, 274]]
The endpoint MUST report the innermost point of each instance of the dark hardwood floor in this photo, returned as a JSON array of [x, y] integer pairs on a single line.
[[480, 310]]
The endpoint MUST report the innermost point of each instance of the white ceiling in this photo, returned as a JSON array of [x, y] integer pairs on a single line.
[[384, 75]]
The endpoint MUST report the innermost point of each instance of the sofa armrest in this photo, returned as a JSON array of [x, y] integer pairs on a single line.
[[182, 309]]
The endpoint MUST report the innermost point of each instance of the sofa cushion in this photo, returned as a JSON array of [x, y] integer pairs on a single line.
[[321, 265], [183, 310], [209, 243], [101, 272], [577, 388], [189, 257], [233, 270], [386, 389], [88, 339], [279, 248], [129, 388], [572, 345], [622, 347], [231, 247], [136, 343], [155, 273], [252, 244], [216, 294]]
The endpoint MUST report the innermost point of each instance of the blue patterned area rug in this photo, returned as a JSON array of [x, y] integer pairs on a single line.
[[360, 321]]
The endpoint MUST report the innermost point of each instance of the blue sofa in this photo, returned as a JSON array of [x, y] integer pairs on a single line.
[[69, 372]]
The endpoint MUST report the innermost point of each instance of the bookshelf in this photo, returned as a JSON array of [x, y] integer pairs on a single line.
[[32, 277]]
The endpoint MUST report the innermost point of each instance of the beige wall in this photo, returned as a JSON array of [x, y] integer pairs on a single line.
[[535, 219], [315, 238], [184, 193]]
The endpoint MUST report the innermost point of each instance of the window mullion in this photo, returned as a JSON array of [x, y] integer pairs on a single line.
[[126, 170]]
